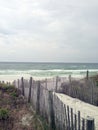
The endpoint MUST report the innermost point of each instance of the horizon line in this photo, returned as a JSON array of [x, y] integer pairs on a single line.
[[45, 62]]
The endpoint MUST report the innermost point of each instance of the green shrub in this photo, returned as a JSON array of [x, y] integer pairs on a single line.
[[14, 94], [4, 113], [7, 88]]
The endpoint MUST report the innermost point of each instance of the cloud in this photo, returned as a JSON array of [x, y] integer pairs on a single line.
[[52, 30]]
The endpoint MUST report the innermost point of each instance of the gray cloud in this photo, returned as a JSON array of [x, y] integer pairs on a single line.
[[52, 30]]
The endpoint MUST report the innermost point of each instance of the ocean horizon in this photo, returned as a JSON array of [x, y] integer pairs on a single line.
[[39, 70]]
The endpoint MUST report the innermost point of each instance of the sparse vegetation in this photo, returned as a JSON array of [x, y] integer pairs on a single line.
[[14, 94], [85, 90], [6, 87], [95, 79], [14, 108], [4, 114]]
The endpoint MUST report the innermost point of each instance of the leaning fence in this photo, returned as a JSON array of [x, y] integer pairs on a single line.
[[45, 100]]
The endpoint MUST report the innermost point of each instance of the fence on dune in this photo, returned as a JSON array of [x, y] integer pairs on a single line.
[[43, 97]]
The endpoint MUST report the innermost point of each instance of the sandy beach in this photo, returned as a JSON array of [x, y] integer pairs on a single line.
[[11, 78]]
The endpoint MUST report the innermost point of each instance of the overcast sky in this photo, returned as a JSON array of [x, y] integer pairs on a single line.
[[49, 30]]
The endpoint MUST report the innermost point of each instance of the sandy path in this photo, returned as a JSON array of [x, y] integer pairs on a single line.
[[77, 105]]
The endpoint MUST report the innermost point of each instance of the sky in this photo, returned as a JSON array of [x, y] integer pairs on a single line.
[[49, 30]]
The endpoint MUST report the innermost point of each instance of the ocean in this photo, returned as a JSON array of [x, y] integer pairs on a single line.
[[13, 70]]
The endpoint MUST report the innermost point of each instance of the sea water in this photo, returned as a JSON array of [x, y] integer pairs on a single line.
[[13, 70]]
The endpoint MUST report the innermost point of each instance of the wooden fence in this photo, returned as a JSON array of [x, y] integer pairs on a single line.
[[46, 103], [68, 118]]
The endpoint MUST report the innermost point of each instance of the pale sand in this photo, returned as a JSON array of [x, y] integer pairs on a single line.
[[77, 105], [11, 78]]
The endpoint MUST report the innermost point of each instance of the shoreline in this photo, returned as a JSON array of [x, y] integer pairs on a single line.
[[11, 78]]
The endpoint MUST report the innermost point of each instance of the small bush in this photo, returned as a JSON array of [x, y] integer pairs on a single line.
[[14, 94], [7, 88], [4, 114]]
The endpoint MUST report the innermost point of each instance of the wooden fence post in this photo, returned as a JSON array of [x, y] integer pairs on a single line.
[[72, 128], [66, 121], [38, 97], [92, 91], [46, 83], [57, 121], [62, 117], [75, 122], [56, 87], [87, 74], [68, 117], [3, 82], [22, 85], [78, 120], [29, 97], [52, 118], [70, 87], [90, 124], [18, 83], [83, 124]]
